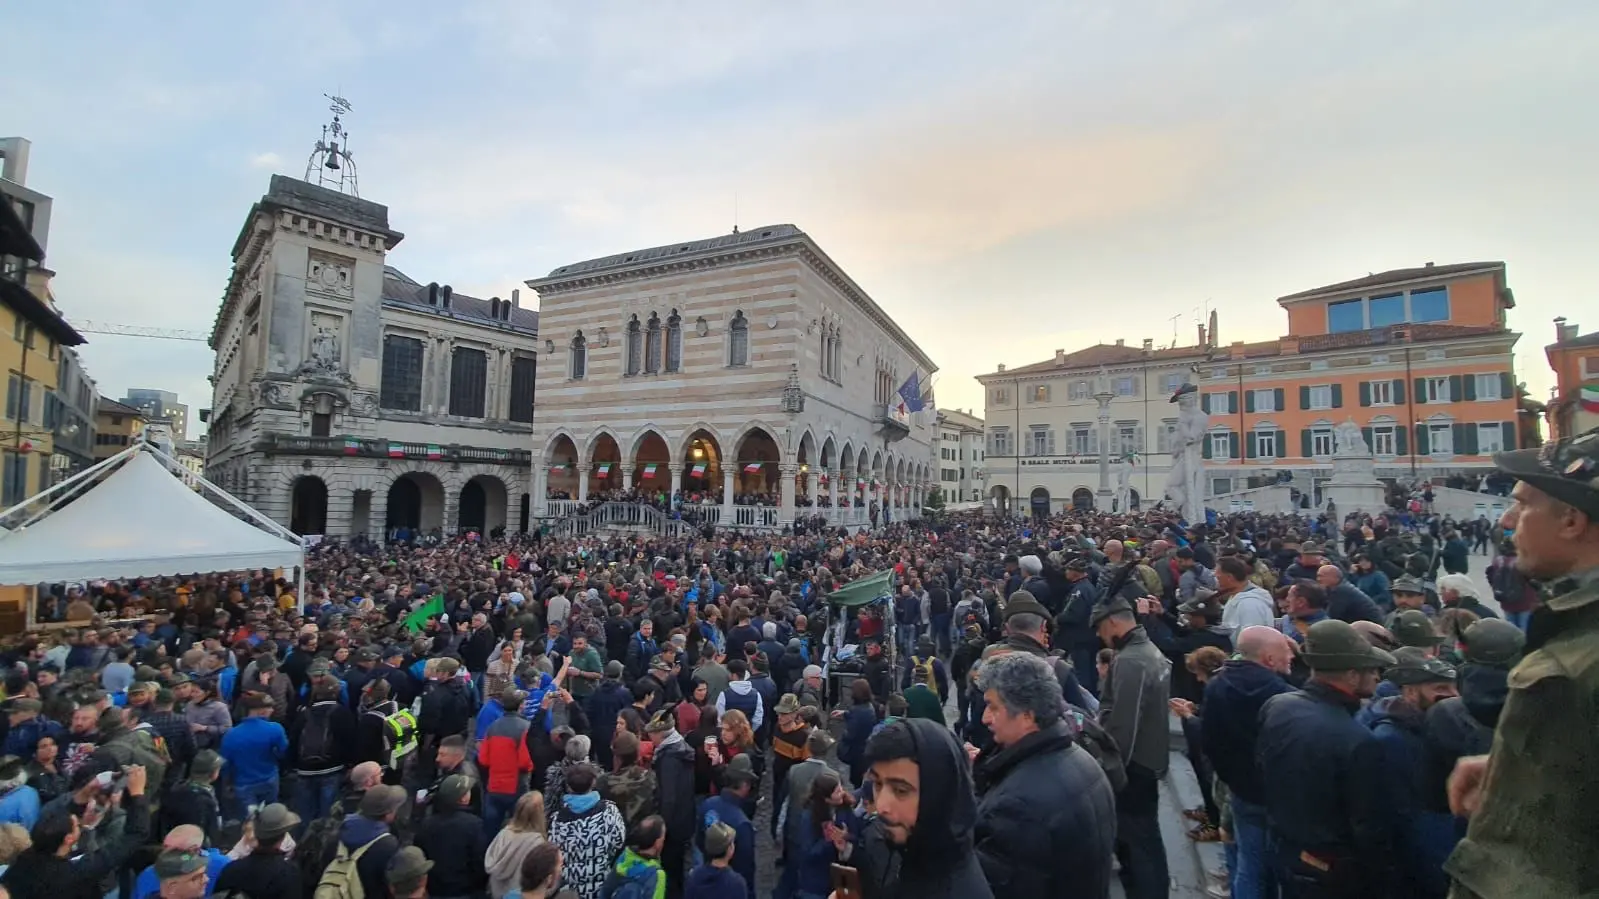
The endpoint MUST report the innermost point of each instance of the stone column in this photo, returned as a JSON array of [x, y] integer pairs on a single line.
[[727, 494], [341, 508], [676, 468], [452, 509], [541, 487], [627, 476], [378, 526], [1102, 500], [582, 483], [813, 483], [785, 513]]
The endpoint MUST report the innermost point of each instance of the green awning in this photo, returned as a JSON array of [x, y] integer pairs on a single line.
[[864, 591]]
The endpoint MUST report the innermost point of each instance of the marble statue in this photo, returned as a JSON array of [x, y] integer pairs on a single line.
[[1124, 484], [325, 350], [1350, 441], [1185, 486]]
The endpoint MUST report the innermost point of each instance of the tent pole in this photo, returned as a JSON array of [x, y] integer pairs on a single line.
[[299, 595], [78, 478]]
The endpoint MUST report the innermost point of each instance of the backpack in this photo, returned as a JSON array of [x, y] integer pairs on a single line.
[[316, 740], [316, 849], [1099, 744], [620, 886], [341, 880], [925, 666]]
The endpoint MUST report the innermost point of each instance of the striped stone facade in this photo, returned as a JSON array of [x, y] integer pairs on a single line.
[[794, 407]]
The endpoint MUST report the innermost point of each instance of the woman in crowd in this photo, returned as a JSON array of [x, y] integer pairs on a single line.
[[859, 720], [526, 832]]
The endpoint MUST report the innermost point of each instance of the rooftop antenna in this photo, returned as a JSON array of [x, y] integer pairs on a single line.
[[331, 164], [1174, 328]]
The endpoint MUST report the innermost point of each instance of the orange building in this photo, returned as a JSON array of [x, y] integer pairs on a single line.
[[1575, 360], [1419, 358]]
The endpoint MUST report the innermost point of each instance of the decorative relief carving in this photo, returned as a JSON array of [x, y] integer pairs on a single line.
[[325, 345], [365, 404], [330, 274]]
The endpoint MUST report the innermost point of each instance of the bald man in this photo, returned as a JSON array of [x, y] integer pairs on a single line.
[[184, 838], [1345, 602], [1229, 731]]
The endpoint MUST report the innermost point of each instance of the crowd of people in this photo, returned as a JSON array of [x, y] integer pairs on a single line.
[[693, 717]]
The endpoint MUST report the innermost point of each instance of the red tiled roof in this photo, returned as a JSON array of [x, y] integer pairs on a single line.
[[1396, 276]]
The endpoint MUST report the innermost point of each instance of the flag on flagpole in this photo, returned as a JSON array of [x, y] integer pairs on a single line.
[[434, 452], [605, 470], [860, 483], [911, 393], [927, 395], [561, 466], [351, 446], [697, 470], [396, 451], [649, 470], [419, 619], [752, 468]]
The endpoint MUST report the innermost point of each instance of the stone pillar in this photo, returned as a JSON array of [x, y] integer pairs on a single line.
[[727, 494], [452, 509], [1102, 501], [785, 513], [341, 508], [541, 487], [676, 469], [813, 483], [582, 483], [378, 525], [627, 476]]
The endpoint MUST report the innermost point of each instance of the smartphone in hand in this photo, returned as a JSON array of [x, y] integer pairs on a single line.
[[846, 882]]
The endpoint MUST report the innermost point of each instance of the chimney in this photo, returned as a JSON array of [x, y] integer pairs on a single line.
[[1428, 265], [1060, 357], [1563, 331], [1149, 344], [1215, 328], [433, 293], [1002, 366], [516, 298], [444, 296], [1201, 335], [1121, 341]]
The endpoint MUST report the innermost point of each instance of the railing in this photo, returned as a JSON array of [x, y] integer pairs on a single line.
[[756, 517], [620, 515], [389, 449], [560, 508]]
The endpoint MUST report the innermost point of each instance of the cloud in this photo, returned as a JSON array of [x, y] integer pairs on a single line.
[[268, 161]]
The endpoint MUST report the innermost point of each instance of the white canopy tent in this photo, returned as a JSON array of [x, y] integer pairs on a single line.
[[132, 516]]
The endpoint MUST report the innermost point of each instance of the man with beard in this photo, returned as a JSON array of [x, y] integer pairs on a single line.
[[1328, 802], [1426, 836], [920, 844]]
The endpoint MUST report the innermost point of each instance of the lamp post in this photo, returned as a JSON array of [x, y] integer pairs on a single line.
[[1103, 397]]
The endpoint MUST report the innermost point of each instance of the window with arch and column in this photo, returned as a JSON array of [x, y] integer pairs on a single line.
[[738, 340], [580, 357], [633, 346], [674, 342], [652, 345]]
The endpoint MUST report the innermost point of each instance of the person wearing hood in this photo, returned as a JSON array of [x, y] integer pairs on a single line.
[[589, 832], [1462, 726], [674, 770], [1425, 836], [1133, 709], [1243, 603], [1046, 820], [370, 828], [1229, 732], [742, 695], [920, 844]]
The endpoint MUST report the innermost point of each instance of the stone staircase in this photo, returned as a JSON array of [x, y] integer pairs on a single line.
[[617, 519]]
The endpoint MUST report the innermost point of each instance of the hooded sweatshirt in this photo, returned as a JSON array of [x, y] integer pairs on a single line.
[[1231, 724], [358, 831], [710, 882], [1249, 606], [938, 861]]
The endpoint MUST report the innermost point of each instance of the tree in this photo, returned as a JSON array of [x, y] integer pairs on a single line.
[[935, 500]]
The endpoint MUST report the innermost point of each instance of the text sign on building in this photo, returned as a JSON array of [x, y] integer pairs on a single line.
[[1058, 461]]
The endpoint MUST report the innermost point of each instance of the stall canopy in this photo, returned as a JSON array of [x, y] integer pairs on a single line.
[[864, 591], [141, 520]]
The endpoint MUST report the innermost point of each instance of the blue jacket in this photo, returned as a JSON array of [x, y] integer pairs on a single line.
[[20, 806], [148, 884], [858, 724], [22, 740], [812, 855], [253, 748], [1377, 586], [1425, 838], [710, 882], [1231, 724], [226, 679], [491, 712], [727, 810]]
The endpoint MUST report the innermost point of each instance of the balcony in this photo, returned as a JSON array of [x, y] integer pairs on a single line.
[[357, 447]]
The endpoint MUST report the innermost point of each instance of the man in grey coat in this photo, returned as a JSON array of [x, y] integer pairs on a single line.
[[1133, 710]]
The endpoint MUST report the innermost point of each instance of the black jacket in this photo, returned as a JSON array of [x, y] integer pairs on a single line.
[[476, 648], [192, 803], [260, 875], [42, 875], [1463, 725], [674, 770], [343, 740], [1231, 724], [454, 840], [938, 862], [1326, 795], [603, 705], [446, 708], [1046, 823], [1346, 602]]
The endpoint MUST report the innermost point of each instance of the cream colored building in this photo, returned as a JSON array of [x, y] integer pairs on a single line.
[[958, 456], [351, 399], [1045, 428], [747, 372]]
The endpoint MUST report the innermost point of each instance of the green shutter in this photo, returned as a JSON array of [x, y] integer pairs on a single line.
[[1469, 431], [1338, 396], [1233, 435], [1399, 391], [1205, 446], [1421, 394], [1507, 387], [1204, 402], [1282, 444], [1305, 443], [1251, 447], [1277, 398], [1455, 393], [1232, 402], [1421, 439], [1370, 435], [1402, 441], [1463, 442], [1365, 394], [1469, 385], [1304, 397], [1249, 401]]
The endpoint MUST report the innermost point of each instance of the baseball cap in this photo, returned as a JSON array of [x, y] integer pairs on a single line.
[[1408, 584], [179, 863]]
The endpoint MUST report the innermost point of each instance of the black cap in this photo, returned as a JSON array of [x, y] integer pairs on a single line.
[[1022, 602], [1106, 609], [1567, 470]]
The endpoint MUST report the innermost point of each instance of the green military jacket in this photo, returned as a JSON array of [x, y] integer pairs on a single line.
[[1537, 832]]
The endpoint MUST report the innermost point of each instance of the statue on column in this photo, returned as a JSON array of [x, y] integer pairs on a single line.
[[1185, 486]]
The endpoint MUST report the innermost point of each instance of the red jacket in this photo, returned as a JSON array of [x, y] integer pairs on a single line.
[[503, 754]]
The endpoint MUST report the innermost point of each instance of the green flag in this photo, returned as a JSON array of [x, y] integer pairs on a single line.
[[416, 620]]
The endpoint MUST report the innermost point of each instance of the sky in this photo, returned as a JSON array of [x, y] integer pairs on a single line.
[[1004, 179]]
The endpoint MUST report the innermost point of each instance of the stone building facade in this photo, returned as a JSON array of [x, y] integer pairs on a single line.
[[746, 371], [350, 399], [959, 455]]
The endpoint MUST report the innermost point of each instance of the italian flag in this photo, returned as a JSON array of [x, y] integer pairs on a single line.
[[560, 467], [752, 468], [434, 452], [396, 451], [697, 470], [1589, 397], [351, 446], [823, 478], [605, 469], [649, 470], [860, 483]]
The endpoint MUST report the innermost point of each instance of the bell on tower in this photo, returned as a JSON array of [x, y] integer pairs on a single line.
[[331, 164]]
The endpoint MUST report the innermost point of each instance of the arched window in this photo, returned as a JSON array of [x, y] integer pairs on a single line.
[[838, 357], [634, 346], [674, 342], [826, 345], [580, 356], [652, 345], [738, 341]]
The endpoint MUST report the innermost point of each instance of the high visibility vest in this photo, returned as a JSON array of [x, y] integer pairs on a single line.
[[402, 730]]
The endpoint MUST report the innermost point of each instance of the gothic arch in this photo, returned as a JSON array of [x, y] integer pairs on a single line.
[[594, 441], [686, 438], [554, 439]]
